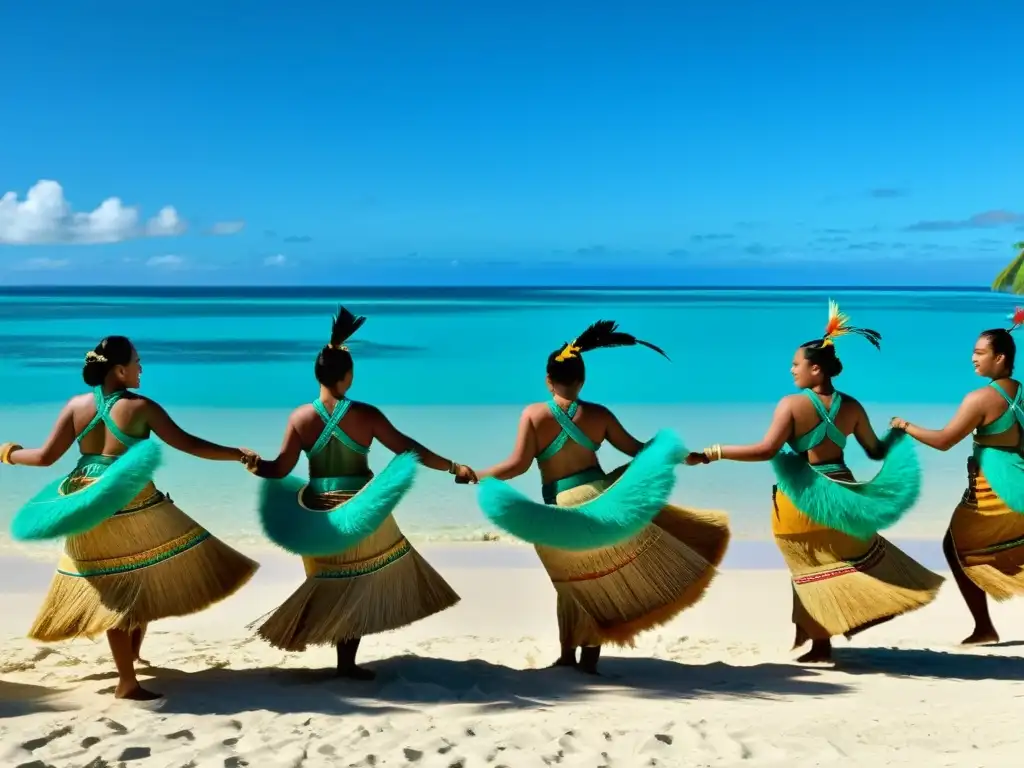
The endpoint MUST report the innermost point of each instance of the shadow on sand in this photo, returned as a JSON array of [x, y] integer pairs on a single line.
[[408, 682], [906, 662], [17, 699]]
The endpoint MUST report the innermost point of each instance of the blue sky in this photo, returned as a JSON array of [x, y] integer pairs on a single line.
[[734, 142]]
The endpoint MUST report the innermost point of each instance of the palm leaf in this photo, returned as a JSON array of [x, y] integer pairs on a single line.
[[1011, 279]]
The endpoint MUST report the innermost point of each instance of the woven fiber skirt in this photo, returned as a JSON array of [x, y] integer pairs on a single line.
[[988, 538], [612, 594], [150, 561], [843, 585], [376, 586]]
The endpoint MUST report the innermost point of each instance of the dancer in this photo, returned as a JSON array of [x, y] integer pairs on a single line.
[[846, 578], [363, 576], [984, 544], [613, 588], [131, 556]]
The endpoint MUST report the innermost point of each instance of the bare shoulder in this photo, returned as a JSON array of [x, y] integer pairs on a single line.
[[138, 402], [789, 402], [535, 413], [365, 410], [304, 414], [80, 401], [981, 395], [851, 402]]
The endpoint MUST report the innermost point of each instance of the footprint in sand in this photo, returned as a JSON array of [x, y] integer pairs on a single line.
[[33, 744]]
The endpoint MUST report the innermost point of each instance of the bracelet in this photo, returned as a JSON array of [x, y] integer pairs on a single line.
[[453, 469], [713, 452], [6, 450]]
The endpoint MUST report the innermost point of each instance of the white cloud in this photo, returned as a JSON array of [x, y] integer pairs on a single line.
[[170, 261], [278, 260], [42, 264], [167, 223], [45, 216], [227, 227]]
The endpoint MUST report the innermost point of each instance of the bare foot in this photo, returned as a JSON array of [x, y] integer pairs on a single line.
[[136, 693], [981, 637], [589, 657], [820, 652], [355, 672]]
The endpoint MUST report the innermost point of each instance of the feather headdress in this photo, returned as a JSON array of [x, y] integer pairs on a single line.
[[839, 325], [343, 326], [603, 333], [1016, 319]]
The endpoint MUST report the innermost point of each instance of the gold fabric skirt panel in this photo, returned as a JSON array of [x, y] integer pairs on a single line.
[[843, 585], [988, 538], [150, 561], [379, 585], [612, 594]]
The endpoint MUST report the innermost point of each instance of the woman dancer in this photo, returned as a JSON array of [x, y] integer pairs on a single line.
[[363, 576], [607, 594], [846, 578], [132, 557], [984, 545]]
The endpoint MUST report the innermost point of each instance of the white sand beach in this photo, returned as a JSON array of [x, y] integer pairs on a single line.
[[716, 687]]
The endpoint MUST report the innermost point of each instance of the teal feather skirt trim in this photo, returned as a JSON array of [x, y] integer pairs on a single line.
[[857, 509], [622, 511], [311, 533], [56, 511], [1004, 470]]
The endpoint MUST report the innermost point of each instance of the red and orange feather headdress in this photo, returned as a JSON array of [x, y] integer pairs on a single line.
[[839, 325]]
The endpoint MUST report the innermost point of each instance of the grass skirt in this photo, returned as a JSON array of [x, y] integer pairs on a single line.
[[843, 585], [988, 538], [149, 561], [380, 584], [612, 594]]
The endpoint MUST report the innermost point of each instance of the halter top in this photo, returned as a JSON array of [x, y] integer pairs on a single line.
[[826, 428], [569, 431], [95, 464], [103, 405], [1014, 413], [336, 461]]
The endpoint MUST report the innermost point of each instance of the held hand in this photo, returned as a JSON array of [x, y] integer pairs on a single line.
[[897, 423], [693, 459], [465, 475], [249, 458]]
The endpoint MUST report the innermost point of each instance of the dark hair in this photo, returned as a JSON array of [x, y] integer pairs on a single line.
[[334, 361], [1002, 343], [824, 356], [565, 365], [104, 357]]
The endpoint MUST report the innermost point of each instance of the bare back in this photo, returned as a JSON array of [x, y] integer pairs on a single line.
[[566, 447], [993, 407], [805, 418], [360, 423], [129, 414]]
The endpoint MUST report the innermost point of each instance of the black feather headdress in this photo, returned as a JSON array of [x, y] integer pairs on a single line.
[[603, 333]]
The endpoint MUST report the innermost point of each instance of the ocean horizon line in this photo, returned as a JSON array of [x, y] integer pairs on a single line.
[[259, 291]]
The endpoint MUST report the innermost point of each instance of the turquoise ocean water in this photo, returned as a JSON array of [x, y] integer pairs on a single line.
[[453, 367]]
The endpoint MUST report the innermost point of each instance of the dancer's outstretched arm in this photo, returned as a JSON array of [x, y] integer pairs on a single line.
[[61, 438], [521, 458], [167, 430], [778, 432], [968, 417], [287, 457], [865, 433], [398, 442], [619, 437]]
